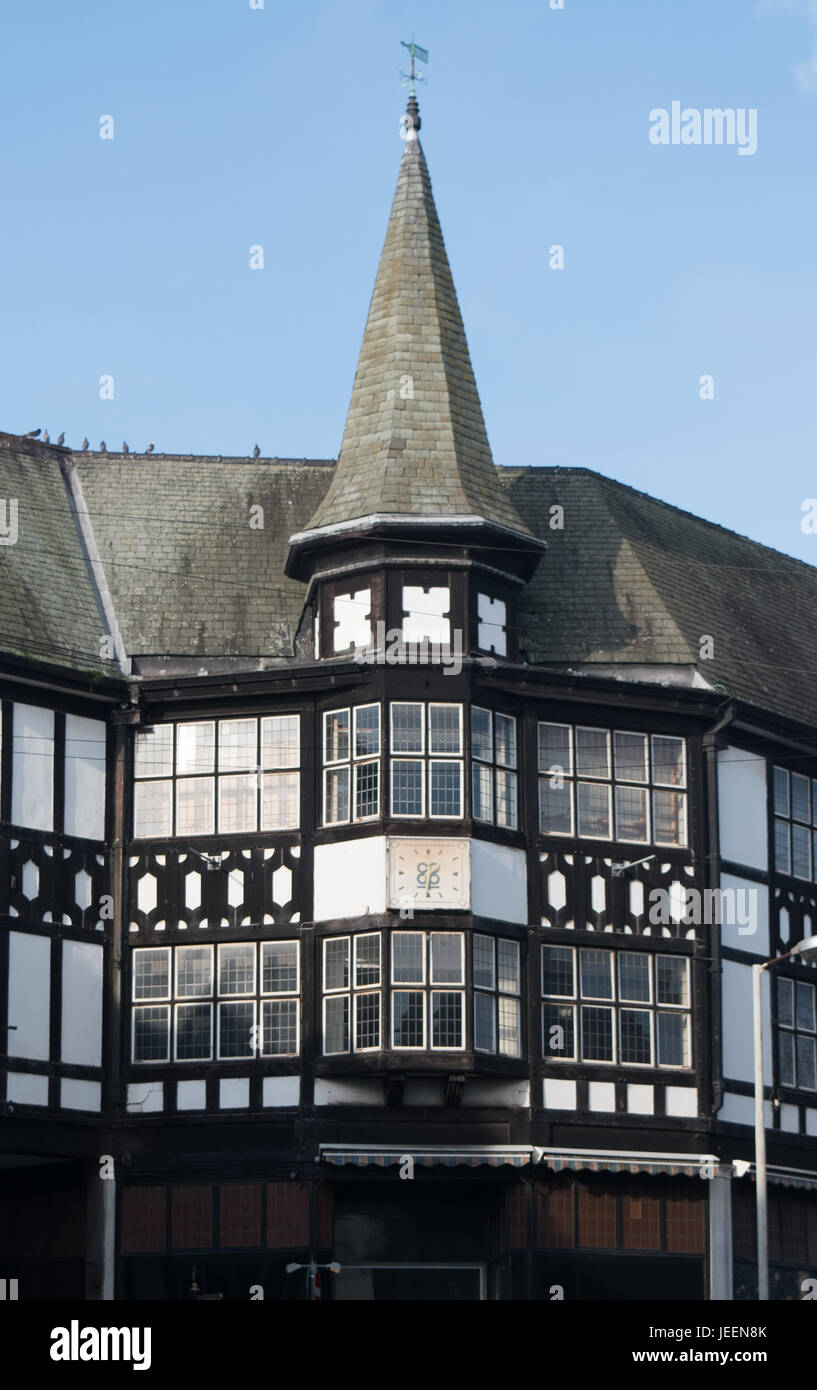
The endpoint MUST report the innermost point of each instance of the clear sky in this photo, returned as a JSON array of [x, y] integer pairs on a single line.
[[279, 127]]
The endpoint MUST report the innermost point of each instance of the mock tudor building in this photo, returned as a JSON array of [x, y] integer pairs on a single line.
[[384, 848]]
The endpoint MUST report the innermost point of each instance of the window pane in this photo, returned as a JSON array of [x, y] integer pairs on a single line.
[[236, 1024], [194, 1032], [280, 740], [671, 980], [237, 744], [153, 808], [336, 1023], [508, 1026], [668, 765], [279, 967], [506, 813], [482, 962], [408, 964], [634, 976], [445, 728], [484, 1022], [631, 814], [367, 1021], [154, 752], [782, 862], [508, 966], [554, 748], [785, 1057], [151, 1033], [593, 810], [506, 740], [195, 805], [800, 798], [195, 747], [669, 818], [481, 739], [630, 752], [801, 851], [592, 753], [558, 1031], [446, 1018], [557, 971], [445, 788], [281, 799], [672, 1039], [596, 974], [597, 1035], [406, 788], [785, 1002], [336, 963], [367, 731], [279, 1027], [555, 808], [446, 958], [781, 791], [367, 959], [336, 736], [367, 790], [407, 728], [634, 1038], [236, 969], [805, 1006], [806, 1062], [408, 1018], [482, 792], [151, 973], [194, 971], [336, 795], [237, 803]]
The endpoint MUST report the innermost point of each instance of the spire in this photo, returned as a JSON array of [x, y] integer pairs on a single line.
[[415, 444]]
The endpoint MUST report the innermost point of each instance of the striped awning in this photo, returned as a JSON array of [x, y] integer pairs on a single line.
[[791, 1177], [600, 1161], [466, 1156]]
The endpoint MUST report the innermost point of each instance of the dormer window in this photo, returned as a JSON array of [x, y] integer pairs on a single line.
[[492, 616], [426, 614], [352, 620]]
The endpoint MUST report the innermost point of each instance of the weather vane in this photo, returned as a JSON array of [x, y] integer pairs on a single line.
[[411, 77]]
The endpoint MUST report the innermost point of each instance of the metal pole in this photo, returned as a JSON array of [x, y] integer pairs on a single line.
[[760, 1141]]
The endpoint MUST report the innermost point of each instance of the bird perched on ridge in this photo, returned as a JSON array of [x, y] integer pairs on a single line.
[[256, 452], [125, 449], [32, 434], [46, 437], [103, 448], [150, 448], [61, 439], [85, 446]]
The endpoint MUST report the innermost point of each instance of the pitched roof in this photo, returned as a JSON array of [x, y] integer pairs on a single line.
[[49, 608], [415, 443], [632, 581]]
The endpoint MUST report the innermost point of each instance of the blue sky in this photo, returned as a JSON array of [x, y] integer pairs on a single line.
[[280, 127]]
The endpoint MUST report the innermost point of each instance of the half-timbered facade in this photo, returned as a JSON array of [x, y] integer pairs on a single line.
[[384, 848]]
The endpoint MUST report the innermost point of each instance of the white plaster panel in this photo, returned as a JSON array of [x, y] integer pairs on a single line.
[[790, 1119], [349, 1093], [811, 1122], [234, 1093], [742, 807], [681, 1101], [741, 900], [146, 1097], [29, 995], [425, 611], [82, 1003], [84, 777], [559, 1094], [81, 1095], [738, 1053], [641, 1100], [601, 1095], [499, 882], [350, 878], [352, 625], [510, 1094], [492, 617], [24, 1088], [191, 1095], [32, 778], [281, 1090], [740, 1110]]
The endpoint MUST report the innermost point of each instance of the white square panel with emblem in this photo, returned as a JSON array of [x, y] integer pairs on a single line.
[[429, 873]]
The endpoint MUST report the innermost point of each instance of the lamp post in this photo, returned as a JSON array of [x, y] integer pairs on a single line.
[[312, 1285], [805, 950]]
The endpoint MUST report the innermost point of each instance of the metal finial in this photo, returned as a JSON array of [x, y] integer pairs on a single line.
[[411, 76]]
